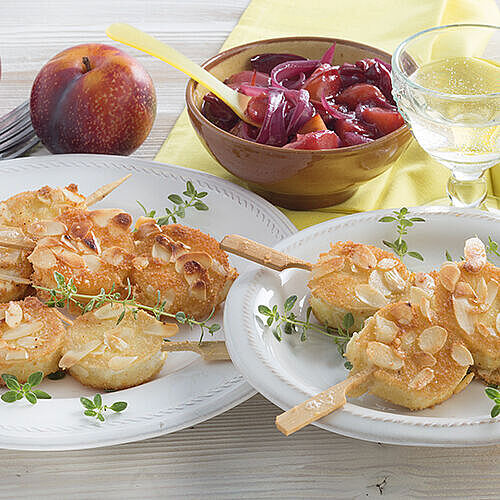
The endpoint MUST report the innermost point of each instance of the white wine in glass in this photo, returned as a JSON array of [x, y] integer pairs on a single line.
[[447, 86]]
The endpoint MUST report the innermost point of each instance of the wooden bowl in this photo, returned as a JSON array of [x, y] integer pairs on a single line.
[[291, 178]]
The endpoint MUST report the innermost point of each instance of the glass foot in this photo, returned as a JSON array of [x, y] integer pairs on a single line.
[[490, 204]]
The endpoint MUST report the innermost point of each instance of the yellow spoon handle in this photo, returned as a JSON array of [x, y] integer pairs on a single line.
[[133, 37]]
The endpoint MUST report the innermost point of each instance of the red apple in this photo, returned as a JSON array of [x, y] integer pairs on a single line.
[[93, 98]]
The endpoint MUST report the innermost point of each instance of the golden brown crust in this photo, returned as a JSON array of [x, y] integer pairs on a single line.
[[186, 266], [94, 248], [31, 337], [417, 364]]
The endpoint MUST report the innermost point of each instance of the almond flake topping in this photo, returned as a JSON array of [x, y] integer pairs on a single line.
[[497, 323], [386, 330], [22, 330], [370, 296], [475, 255], [117, 363], [394, 281], [461, 355], [463, 314], [463, 289], [425, 282], [375, 280], [402, 313], [432, 339], [421, 379], [363, 257], [383, 356], [13, 314], [386, 264], [449, 275], [73, 356], [19, 353]]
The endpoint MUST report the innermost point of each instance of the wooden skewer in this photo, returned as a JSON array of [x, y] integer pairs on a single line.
[[103, 191], [210, 350], [268, 257], [320, 405]]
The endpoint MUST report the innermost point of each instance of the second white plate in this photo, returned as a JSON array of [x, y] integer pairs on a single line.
[[291, 371]]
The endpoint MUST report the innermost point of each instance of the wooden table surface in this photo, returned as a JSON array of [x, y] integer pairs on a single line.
[[239, 454]]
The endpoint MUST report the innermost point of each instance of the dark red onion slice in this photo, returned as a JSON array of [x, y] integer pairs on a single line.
[[291, 69], [335, 113], [328, 55]]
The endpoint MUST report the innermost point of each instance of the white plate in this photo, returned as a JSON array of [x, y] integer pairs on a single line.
[[290, 372], [188, 390]]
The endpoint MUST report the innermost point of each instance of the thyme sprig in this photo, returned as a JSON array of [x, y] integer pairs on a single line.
[[19, 391], [492, 247], [399, 245], [494, 394], [66, 293], [288, 323], [95, 408], [180, 205]]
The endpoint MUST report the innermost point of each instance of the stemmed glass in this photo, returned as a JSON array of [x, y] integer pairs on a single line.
[[446, 82]]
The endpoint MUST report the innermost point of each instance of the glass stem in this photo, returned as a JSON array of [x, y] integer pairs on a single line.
[[467, 193]]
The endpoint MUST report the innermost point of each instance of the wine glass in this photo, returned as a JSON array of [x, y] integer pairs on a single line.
[[446, 82]]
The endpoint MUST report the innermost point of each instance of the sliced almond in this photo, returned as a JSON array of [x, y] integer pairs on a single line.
[[386, 330], [43, 258], [426, 309], [370, 296], [407, 339], [109, 311], [383, 356], [432, 339], [375, 280], [92, 262], [421, 379], [425, 282], [497, 323], [116, 342], [161, 252], [424, 359], [163, 330], [199, 290], [202, 258], [363, 257], [19, 353], [463, 314], [116, 256], [27, 342], [45, 228], [103, 217], [80, 229], [482, 291], [218, 268], [461, 355], [327, 266], [71, 259], [416, 295], [394, 281], [386, 264], [449, 275], [463, 289], [22, 330], [402, 313], [73, 356], [492, 293], [71, 196], [140, 262], [117, 363], [486, 331], [13, 314]]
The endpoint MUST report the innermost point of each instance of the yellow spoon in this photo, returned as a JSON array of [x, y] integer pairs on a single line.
[[133, 37]]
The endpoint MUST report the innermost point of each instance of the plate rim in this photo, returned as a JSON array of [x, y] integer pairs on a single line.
[[335, 422], [238, 389]]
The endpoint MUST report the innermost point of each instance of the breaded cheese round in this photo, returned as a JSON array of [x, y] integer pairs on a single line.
[[94, 248], [416, 363], [467, 296], [105, 355], [31, 336], [185, 266], [45, 203], [355, 278], [13, 262]]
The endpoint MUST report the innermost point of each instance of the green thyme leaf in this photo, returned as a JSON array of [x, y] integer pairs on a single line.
[[9, 396], [35, 378], [495, 411], [87, 403], [97, 401], [30, 397], [41, 394], [118, 406]]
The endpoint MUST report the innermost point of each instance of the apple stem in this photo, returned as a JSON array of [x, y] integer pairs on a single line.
[[86, 63]]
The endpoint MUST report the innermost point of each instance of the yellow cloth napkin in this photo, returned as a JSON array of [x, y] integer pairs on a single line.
[[415, 178]]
